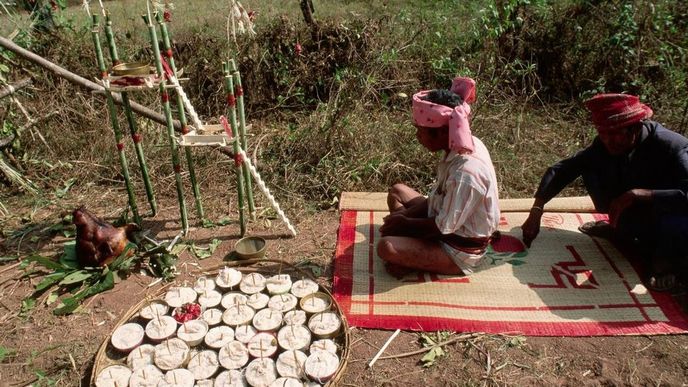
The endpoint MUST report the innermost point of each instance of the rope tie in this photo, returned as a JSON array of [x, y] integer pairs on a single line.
[[185, 129], [169, 53], [177, 168], [137, 137], [239, 91], [165, 97], [120, 146], [238, 160]]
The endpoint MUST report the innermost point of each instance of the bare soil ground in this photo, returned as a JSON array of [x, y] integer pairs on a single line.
[[52, 350]]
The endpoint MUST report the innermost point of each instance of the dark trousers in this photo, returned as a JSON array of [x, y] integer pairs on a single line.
[[660, 238]]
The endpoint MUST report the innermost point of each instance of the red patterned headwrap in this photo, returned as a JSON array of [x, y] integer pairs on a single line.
[[615, 111]]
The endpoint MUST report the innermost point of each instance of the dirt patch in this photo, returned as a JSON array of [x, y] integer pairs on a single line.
[[49, 349]]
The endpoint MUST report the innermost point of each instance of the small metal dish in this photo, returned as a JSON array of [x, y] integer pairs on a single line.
[[252, 247], [133, 68]]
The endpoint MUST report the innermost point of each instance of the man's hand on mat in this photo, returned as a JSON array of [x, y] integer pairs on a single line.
[[627, 199], [393, 224], [531, 227]]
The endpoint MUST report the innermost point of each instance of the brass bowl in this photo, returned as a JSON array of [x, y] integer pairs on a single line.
[[250, 247], [133, 68]]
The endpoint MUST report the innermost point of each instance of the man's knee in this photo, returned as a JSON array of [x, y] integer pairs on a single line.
[[385, 249]]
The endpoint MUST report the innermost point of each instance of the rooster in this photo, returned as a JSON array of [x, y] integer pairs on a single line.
[[97, 242]]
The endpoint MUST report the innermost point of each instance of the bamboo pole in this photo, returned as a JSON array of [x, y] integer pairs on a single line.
[[115, 123], [239, 92], [133, 127], [80, 81], [165, 98], [231, 105], [182, 118]]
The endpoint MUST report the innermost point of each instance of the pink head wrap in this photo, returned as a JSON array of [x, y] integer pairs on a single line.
[[432, 115]]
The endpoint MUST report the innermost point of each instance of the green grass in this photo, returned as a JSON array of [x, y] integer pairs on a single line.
[[331, 119]]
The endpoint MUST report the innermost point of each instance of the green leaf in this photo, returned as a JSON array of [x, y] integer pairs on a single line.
[[60, 193], [76, 277], [43, 261], [8, 258], [429, 358], [4, 352], [207, 223], [50, 279], [67, 306], [516, 262], [179, 248], [69, 232], [27, 305], [68, 258], [52, 297], [205, 252], [224, 222]]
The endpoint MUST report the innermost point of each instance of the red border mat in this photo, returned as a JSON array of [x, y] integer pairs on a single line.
[[566, 284]]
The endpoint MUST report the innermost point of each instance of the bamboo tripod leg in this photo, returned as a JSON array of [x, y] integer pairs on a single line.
[[182, 118], [115, 125], [231, 105], [164, 96], [239, 92], [140, 156], [131, 121]]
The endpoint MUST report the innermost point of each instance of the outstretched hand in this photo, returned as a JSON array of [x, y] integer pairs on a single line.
[[531, 227]]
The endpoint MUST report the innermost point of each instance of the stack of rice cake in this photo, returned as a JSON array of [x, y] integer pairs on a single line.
[[251, 331]]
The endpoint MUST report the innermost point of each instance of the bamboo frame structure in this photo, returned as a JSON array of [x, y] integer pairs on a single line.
[[165, 98], [133, 128], [239, 93], [182, 117], [115, 123], [231, 106]]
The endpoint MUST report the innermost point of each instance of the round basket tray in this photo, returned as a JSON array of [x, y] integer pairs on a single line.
[[107, 355]]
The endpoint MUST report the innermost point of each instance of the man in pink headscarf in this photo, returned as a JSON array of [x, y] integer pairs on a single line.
[[447, 232], [635, 170]]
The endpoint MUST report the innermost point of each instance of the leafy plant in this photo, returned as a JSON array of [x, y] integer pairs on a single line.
[[205, 252], [6, 352], [435, 351], [79, 283]]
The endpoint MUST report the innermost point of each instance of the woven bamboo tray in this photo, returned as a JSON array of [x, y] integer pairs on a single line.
[[107, 355]]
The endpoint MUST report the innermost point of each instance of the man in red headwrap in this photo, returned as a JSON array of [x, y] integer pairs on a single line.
[[448, 231], [636, 171]]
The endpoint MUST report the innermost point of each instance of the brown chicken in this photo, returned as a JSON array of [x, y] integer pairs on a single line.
[[97, 242]]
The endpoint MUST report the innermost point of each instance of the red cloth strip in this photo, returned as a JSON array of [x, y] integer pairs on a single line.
[[231, 101], [169, 53], [177, 168], [120, 146], [166, 67], [238, 160], [137, 137], [228, 128], [239, 91], [165, 97], [185, 129]]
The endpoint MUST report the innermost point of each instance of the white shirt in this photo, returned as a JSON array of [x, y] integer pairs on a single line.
[[464, 200]]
